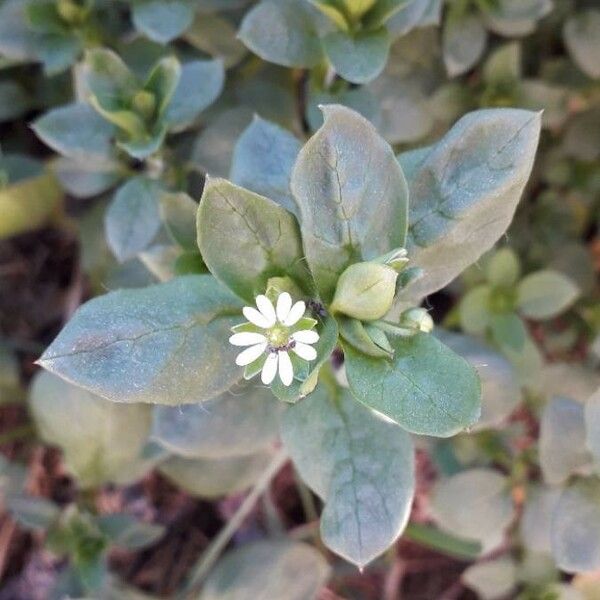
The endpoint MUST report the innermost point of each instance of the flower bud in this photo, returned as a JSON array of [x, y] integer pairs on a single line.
[[365, 291], [416, 319], [397, 259], [144, 103]]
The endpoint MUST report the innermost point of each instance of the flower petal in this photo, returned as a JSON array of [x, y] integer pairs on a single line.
[[304, 351], [265, 306], [256, 318], [270, 368], [295, 314], [247, 339], [286, 369], [306, 336], [250, 354], [284, 303]]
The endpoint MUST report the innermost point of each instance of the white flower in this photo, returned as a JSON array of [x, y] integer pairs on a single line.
[[272, 332]]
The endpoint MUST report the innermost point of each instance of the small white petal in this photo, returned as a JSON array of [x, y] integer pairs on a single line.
[[265, 306], [246, 338], [286, 370], [269, 368], [295, 314], [305, 352], [249, 355], [306, 336], [284, 303], [256, 318]]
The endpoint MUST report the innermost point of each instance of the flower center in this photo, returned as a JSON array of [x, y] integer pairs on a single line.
[[278, 337]]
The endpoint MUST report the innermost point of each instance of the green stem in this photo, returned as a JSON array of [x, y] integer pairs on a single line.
[[212, 553]]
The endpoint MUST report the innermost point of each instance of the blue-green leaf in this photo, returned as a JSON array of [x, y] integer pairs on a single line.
[[162, 20]]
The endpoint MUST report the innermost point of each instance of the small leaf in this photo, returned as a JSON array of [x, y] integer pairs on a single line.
[[84, 178], [128, 532], [336, 183], [263, 160], [245, 239], [581, 33], [545, 294], [509, 331], [562, 440], [492, 579], [426, 388], [270, 569], [535, 524], [359, 57], [240, 421], [133, 218], [503, 67], [576, 527], [500, 391], [464, 41], [282, 32], [474, 310], [164, 344], [178, 212], [474, 504], [464, 192], [503, 269], [199, 85], [360, 464], [76, 131], [162, 20], [33, 512], [100, 440], [215, 477]]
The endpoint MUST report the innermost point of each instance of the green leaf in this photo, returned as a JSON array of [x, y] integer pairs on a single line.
[[492, 579], [128, 532], [84, 178], [332, 12], [384, 10], [33, 512], [57, 52], [245, 239], [263, 160], [282, 32], [546, 294], [426, 388], [359, 57], [474, 310], [200, 84], [267, 570], [464, 192], [562, 440], [101, 440], [164, 344], [464, 40], [354, 332], [576, 527], [509, 331], [500, 391], [162, 83], [336, 183], [162, 20], [217, 36], [178, 212], [535, 524], [474, 504], [503, 269], [358, 8], [241, 421], [360, 464], [215, 477], [592, 424], [133, 218], [503, 67], [76, 131], [581, 32], [108, 78]]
